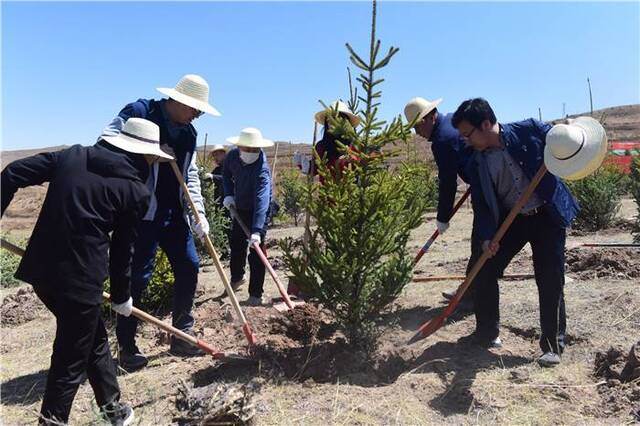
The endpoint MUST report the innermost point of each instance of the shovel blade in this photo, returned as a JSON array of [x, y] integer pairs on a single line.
[[428, 329], [282, 306]]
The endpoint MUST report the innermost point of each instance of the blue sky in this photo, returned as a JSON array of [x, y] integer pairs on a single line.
[[68, 68]]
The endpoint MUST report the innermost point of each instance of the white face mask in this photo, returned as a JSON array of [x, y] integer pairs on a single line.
[[249, 157]]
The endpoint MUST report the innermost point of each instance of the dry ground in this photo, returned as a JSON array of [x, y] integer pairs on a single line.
[[437, 380]]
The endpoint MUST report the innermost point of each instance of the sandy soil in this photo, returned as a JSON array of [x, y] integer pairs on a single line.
[[307, 376]]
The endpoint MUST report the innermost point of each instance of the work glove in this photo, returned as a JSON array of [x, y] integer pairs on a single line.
[[229, 201], [442, 226], [202, 227], [255, 238], [124, 308], [208, 176]]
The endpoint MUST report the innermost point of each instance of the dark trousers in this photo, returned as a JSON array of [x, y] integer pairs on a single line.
[[238, 244], [169, 231], [80, 351], [476, 252], [547, 243]]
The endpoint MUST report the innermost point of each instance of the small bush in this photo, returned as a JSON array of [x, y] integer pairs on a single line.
[[599, 197], [634, 187], [159, 293], [421, 182], [292, 193], [8, 265], [219, 222]]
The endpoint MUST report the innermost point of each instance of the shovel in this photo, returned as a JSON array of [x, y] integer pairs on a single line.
[[281, 307], [434, 325], [251, 338], [435, 234], [155, 321]]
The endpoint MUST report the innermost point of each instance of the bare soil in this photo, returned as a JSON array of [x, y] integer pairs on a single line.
[[21, 307], [598, 262], [308, 375]]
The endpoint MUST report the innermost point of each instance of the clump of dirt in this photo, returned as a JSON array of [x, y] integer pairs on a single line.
[[217, 403], [621, 393], [21, 307], [303, 322], [588, 263]]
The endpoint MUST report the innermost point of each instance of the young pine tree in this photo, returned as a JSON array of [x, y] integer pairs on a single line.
[[356, 261]]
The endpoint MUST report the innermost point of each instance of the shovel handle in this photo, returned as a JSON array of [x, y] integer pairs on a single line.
[[216, 259], [432, 326], [436, 233], [263, 258], [141, 314]]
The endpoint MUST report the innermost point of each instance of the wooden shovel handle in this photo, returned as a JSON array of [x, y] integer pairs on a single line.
[[216, 259]]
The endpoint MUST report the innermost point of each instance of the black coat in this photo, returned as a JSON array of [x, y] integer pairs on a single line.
[[93, 191]]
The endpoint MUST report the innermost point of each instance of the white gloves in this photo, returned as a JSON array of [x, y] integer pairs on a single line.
[[202, 227], [229, 201], [208, 176], [124, 308], [255, 238], [442, 226]]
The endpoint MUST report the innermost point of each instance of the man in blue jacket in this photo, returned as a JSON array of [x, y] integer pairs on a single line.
[[247, 188], [451, 155], [506, 158], [166, 223]]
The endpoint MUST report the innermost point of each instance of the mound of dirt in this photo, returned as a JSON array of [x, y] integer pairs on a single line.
[[621, 393], [20, 308], [589, 263]]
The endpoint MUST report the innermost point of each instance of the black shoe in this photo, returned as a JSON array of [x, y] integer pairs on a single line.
[[118, 414], [479, 339], [181, 348], [131, 359]]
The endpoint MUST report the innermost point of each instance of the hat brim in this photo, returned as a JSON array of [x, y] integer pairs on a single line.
[[353, 119], [189, 101], [432, 105], [263, 143], [137, 147], [587, 159]]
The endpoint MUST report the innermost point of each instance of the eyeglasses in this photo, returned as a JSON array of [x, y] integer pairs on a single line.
[[199, 114]]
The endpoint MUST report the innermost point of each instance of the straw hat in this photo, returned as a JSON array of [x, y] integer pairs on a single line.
[[251, 138], [574, 151], [341, 107], [418, 108], [192, 90], [139, 136], [218, 147]]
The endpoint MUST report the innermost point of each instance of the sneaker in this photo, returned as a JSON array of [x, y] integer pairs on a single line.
[[255, 301], [235, 285], [117, 414], [549, 359], [478, 339], [181, 348], [131, 359]]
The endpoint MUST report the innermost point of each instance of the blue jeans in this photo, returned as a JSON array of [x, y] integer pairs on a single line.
[[169, 231], [547, 242]]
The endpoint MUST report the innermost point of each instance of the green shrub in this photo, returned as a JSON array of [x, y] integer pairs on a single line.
[[158, 295], [8, 266], [292, 193], [599, 197], [634, 187], [420, 182], [217, 216]]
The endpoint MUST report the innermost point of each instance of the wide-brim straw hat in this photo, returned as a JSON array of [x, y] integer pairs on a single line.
[[251, 138], [139, 136], [417, 108], [341, 107], [192, 90], [218, 147], [574, 151]]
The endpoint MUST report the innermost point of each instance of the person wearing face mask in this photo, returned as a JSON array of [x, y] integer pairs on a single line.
[[247, 188], [85, 233], [167, 222]]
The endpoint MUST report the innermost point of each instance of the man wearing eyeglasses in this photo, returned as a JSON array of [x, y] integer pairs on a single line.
[[451, 155], [166, 223]]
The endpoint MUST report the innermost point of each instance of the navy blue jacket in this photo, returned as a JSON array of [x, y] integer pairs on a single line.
[[525, 141], [451, 154], [250, 184]]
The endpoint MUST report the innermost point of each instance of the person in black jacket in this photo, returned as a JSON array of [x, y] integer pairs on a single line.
[[93, 191]]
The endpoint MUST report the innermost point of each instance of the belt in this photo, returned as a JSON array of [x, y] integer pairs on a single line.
[[531, 212]]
